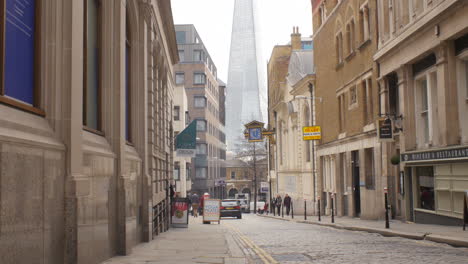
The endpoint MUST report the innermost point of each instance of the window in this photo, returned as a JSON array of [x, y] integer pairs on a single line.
[[339, 47], [180, 36], [180, 78], [341, 112], [352, 95], [20, 80], [307, 143], [199, 78], [197, 55], [201, 125], [128, 79], [92, 62], [201, 173], [368, 101], [199, 101], [466, 78], [426, 85], [181, 56], [233, 175], [369, 168], [364, 23], [176, 113], [425, 181], [201, 149], [350, 36], [187, 171], [176, 171]]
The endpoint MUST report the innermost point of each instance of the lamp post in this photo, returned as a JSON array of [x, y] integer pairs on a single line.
[[312, 117]]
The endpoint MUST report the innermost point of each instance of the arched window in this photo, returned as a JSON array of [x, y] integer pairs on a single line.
[[307, 143], [92, 65], [19, 55]]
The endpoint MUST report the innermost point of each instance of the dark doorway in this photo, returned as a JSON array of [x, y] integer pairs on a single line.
[[356, 183]]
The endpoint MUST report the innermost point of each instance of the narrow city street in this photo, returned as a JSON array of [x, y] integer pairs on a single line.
[[255, 239]]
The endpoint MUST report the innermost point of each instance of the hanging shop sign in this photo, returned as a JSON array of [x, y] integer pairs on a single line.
[[211, 210], [312, 133], [180, 214], [186, 141], [436, 155], [385, 128]]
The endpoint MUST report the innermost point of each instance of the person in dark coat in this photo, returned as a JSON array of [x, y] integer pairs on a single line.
[[287, 203], [278, 202]]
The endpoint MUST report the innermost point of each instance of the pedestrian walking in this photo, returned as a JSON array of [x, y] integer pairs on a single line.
[[287, 203], [195, 203], [265, 208], [278, 202]]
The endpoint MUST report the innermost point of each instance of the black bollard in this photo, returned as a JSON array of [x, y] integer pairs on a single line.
[[305, 210], [332, 210], [319, 209], [387, 221], [292, 210]]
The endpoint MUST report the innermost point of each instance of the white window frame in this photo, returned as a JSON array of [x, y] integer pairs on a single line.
[[202, 150], [203, 78], [201, 121], [180, 81], [425, 140], [195, 98]]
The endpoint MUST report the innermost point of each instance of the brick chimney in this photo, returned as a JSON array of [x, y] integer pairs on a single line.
[[296, 39]]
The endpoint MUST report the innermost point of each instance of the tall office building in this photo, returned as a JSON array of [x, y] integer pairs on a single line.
[[246, 96]]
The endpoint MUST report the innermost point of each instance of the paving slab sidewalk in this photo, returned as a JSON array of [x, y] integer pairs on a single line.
[[198, 243], [452, 235]]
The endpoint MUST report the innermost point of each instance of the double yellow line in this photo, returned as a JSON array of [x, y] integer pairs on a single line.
[[264, 256]]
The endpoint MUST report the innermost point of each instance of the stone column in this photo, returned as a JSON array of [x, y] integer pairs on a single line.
[[72, 99], [447, 100]]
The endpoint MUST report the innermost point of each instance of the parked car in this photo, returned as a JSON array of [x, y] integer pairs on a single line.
[[231, 208], [260, 206]]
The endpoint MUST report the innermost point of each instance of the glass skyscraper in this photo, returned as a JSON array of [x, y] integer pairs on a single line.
[[246, 90]]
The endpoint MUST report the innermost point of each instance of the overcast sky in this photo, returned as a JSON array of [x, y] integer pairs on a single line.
[[213, 21]]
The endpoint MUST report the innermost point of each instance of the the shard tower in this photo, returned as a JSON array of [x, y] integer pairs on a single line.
[[246, 89]]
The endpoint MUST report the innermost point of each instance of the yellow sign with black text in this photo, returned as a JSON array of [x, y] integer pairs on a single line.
[[311, 133]]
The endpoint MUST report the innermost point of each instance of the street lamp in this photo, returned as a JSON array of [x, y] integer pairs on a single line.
[[312, 117]]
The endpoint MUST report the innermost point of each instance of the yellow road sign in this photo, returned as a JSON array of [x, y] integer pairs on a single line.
[[311, 133]]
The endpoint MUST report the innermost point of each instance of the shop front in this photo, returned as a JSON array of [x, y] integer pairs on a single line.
[[436, 182]]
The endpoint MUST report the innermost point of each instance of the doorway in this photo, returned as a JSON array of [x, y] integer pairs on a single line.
[[356, 183]]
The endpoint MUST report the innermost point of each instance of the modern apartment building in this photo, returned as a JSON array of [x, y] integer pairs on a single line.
[[423, 76], [198, 73], [85, 128]]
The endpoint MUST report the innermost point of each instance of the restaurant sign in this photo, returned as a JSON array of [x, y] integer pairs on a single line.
[[446, 154]]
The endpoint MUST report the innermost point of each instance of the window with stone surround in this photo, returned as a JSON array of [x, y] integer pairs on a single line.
[[461, 46], [350, 36], [367, 96], [339, 47], [364, 23], [199, 78], [180, 78], [426, 103], [233, 175], [352, 96], [341, 112]]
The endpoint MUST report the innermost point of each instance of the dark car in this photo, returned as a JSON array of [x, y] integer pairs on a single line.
[[231, 208]]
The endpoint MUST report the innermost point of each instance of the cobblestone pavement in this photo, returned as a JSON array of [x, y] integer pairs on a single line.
[[289, 242]]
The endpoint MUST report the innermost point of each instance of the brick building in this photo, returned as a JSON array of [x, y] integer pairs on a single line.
[[345, 39]]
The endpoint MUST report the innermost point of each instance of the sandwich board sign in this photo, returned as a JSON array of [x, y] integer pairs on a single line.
[[211, 210], [180, 214]]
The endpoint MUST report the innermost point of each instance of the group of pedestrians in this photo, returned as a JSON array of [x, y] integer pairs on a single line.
[[197, 203], [278, 202]]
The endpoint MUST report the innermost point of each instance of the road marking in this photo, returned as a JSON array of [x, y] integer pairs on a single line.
[[264, 256]]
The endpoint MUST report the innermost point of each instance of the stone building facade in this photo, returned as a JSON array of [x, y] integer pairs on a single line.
[[345, 40], [183, 182], [240, 177], [291, 107], [198, 73], [423, 77], [85, 128]]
